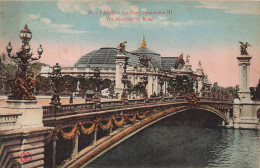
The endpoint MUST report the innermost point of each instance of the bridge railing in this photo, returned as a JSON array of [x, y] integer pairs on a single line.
[[67, 109], [136, 102], [112, 104]]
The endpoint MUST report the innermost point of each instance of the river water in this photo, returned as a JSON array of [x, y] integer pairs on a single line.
[[170, 146]]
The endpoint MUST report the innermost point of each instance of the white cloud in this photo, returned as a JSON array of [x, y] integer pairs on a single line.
[[246, 7], [46, 21], [58, 28], [33, 16]]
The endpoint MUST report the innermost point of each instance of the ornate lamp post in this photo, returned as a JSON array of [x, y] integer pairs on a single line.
[[165, 89], [197, 86], [55, 76], [145, 82], [185, 84], [96, 78], [124, 80], [23, 86], [161, 82]]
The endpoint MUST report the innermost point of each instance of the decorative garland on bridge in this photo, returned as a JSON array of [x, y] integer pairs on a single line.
[[106, 126], [119, 123], [132, 119], [141, 116], [87, 130], [71, 134]]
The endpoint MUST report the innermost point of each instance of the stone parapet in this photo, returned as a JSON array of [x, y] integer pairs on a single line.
[[23, 147], [20, 114]]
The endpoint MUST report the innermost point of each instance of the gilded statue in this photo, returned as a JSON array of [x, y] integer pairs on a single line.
[[243, 48], [121, 46], [22, 88]]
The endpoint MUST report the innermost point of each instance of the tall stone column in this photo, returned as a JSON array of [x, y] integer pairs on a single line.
[[244, 77], [243, 108]]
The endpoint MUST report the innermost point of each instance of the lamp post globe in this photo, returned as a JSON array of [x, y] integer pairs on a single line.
[[56, 69], [40, 50], [9, 48], [25, 34]]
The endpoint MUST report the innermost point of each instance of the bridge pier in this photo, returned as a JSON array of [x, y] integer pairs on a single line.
[[245, 115], [244, 109]]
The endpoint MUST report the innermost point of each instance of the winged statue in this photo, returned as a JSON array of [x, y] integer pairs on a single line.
[[243, 47]]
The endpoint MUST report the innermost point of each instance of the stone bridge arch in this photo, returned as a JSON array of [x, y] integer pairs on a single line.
[[85, 157]]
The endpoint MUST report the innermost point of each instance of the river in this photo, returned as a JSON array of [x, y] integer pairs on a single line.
[[167, 146]]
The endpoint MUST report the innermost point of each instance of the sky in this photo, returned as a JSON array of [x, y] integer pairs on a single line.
[[208, 31]]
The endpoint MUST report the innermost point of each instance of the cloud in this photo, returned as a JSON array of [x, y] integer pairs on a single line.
[[58, 28], [238, 7], [46, 21], [82, 7], [32, 16]]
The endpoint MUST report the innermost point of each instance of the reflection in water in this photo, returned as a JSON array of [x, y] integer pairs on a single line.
[[185, 146]]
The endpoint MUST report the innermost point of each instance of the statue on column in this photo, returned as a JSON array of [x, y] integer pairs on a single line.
[[121, 46], [243, 48]]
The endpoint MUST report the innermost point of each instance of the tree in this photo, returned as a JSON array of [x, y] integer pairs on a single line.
[[42, 84], [7, 73], [181, 86], [255, 92], [35, 68]]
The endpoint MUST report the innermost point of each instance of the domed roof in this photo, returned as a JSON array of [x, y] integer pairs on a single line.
[[143, 50], [104, 57]]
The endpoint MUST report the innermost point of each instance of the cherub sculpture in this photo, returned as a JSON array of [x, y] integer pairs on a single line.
[[243, 48], [121, 46]]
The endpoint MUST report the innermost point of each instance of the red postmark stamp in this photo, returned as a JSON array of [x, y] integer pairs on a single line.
[[25, 157]]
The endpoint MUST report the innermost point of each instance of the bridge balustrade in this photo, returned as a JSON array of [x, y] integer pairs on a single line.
[[136, 102], [112, 104], [68, 109]]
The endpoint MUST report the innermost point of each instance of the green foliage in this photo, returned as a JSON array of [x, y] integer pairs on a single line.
[[35, 68], [7, 73], [138, 88], [179, 87], [42, 84]]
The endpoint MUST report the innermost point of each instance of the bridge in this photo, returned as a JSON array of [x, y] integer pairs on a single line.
[[73, 135], [90, 128]]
